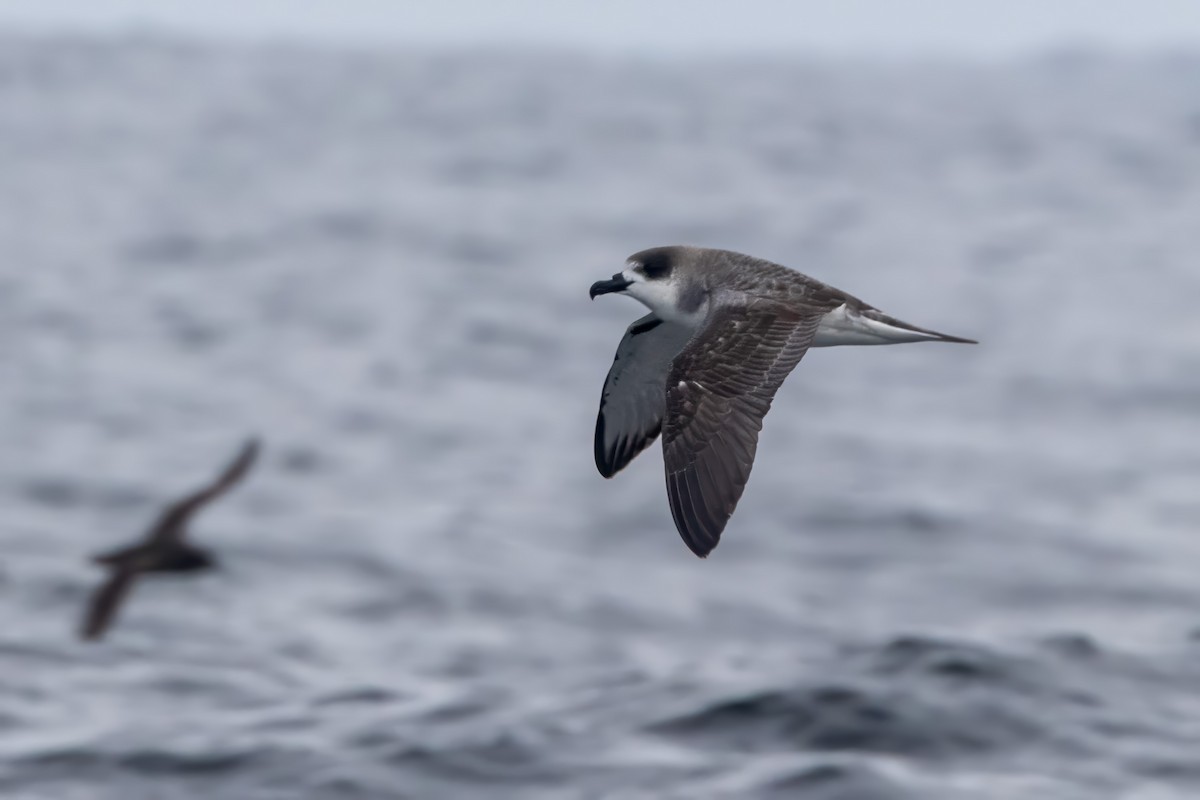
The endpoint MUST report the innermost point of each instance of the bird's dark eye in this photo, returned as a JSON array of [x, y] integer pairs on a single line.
[[657, 266]]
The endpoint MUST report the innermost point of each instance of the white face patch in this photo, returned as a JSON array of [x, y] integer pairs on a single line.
[[660, 296]]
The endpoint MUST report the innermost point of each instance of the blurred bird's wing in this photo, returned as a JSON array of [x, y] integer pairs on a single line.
[[634, 395], [105, 601], [718, 391], [170, 524]]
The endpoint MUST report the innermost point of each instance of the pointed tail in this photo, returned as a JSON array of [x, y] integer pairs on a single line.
[[925, 334]]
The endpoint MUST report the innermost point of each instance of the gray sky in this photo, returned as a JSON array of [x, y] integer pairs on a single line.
[[979, 27]]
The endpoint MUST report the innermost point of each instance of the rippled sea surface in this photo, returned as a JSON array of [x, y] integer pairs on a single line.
[[956, 573]]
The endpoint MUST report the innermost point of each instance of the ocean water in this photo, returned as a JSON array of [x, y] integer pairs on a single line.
[[957, 572]]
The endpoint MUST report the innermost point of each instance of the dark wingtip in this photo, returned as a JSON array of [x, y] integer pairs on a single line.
[[603, 464], [691, 528], [700, 547], [954, 339], [93, 627], [245, 458]]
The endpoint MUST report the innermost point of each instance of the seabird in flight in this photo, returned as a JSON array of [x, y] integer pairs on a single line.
[[723, 332]]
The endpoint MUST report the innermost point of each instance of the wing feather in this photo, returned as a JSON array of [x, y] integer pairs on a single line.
[[170, 523], [718, 390], [105, 603], [634, 396]]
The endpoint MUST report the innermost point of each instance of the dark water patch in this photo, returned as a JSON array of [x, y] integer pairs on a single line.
[[384, 374], [349, 226], [1007, 146], [461, 709], [210, 690], [842, 519], [480, 251], [149, 761], [951, 662], [67, 323], [301, 459], [379, 735], [500, 347], [504, 758], [1190, 126], [288, 723], [478, 169], [390, 591], [834, 781], [1183, 769], [857, 719], [24, 693], [1074, 646], [510, 334], [1003, 251], [1124, 728], [187, 328], [122, 498], [12, 723], [352, 787], [369, 567], [1142, 164], [168, 762], [185, 249], [363, 421], [53, 492], [364, 695], [303, 651], [408, 601], [35, 653], [348, 329], [75, 759]]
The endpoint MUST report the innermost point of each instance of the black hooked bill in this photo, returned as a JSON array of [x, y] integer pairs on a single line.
[[617, 283]]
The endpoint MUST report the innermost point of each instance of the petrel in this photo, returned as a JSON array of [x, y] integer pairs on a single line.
[[724, 331], [165, 548]]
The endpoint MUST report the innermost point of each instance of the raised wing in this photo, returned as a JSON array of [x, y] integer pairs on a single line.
[[105, 602], [634, 396], [718, 390], [170, 524]]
